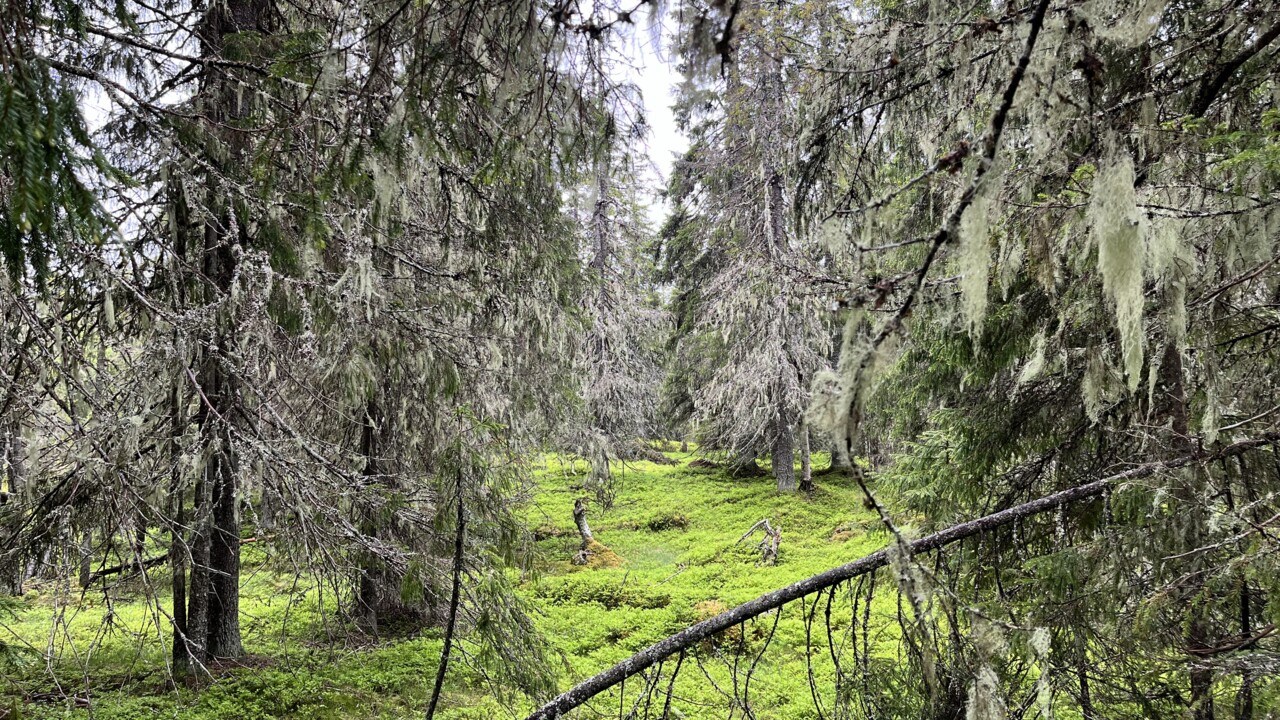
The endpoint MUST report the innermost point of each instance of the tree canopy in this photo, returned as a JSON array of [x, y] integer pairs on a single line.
[[332, 276]]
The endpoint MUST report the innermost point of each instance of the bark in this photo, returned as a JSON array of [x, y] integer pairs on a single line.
[[86, 558], [1082, 676], [16, 462], [743, 464], [371, 570], [580, 519], [1173, 407], [379, 598], [690, 636], [197, 616], [178, 582], [224, 559], [132, 565], [214, 611], [1214, 83], [784, 468], [12, 570], [840, 456], [806, 462], [1244, 696]]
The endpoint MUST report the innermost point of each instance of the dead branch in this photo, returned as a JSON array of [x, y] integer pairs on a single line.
[[132, 565], [589, 688], [769, 544]]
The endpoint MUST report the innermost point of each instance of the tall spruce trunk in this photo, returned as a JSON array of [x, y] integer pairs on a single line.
[[784, 470], [178, 547], [213, 616], [1198, 640], [806, 460], [12, 569], [378, 593]]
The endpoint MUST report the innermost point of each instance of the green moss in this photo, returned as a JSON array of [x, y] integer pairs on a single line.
[[675, 528]]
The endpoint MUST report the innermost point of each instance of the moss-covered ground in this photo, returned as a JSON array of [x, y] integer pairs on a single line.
[[675, 532]]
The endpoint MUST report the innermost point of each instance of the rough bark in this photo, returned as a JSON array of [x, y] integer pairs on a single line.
[[784, 470], [1172, 406], [131, 566], [806, 462], [580, 519], [85, 575], [197, 615], [12, 570], [224, 558], [213, 614], [1244, 696], [589, 688], [381, 603]]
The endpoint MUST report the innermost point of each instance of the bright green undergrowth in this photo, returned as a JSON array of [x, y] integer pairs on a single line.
[[675, 528]]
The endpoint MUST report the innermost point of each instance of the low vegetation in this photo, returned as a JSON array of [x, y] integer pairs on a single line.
[[674, 529]]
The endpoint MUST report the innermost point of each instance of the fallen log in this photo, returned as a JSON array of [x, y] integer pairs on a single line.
[[663, 649], [125, 567]]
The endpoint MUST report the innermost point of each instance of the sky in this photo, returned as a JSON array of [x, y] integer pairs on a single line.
[[653, 71]]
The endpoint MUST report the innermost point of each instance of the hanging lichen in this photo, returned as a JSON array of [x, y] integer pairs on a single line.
[[1163, 247], [1122, 24], [975, 263], [1035, 363], [985, 702], [1040, 643], [1118, 232], [1093, 385]]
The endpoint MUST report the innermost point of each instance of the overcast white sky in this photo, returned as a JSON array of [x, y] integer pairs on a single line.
[[653, 71]]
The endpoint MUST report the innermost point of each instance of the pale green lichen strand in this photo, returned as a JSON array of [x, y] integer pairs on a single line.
[[1118, 231], [975, 263]]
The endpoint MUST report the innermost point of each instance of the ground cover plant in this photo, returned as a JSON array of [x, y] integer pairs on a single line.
[[674, 528]]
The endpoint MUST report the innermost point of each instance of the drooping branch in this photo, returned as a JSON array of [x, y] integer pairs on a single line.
[[589, 688], [1212, 86]]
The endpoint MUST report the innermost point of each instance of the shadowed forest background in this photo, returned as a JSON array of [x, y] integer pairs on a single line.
[[345, 374]]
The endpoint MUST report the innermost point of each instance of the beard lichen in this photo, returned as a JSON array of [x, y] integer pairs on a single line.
[[975, 262], [1118, 230]]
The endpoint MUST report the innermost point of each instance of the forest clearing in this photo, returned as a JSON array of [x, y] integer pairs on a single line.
[[675, 532], [743, 359]]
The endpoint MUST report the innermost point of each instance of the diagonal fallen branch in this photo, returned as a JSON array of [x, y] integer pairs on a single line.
[[589, 688]]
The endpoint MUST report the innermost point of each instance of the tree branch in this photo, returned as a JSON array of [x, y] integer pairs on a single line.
[[1212, 86], [589, 688]]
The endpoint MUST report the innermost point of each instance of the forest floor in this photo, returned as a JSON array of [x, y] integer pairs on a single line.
[[674, 528]]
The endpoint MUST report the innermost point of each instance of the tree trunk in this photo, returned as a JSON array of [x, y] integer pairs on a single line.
[[840, 460], [86, 558], [1173, 403], [1244, 696], [580, 519], [806, 464], [197, 620], [454, 596], [784, 470], [12, 569], [213, 616], [224, 559], [178, 566], [379, 597]]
